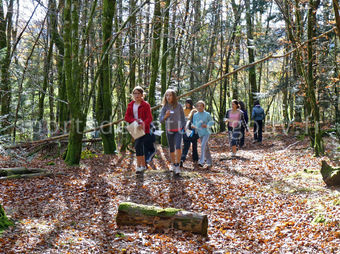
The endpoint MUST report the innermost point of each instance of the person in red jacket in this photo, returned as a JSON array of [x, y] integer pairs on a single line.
[[140, 111]]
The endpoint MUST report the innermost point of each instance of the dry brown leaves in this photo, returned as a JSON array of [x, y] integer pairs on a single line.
[[271, 199]]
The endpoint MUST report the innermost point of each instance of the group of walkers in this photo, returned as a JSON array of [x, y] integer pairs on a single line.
[[190, 124]]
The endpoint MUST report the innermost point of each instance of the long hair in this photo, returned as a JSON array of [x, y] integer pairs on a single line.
[[242, 106], [174, 96], [189, 101], [236, 102]]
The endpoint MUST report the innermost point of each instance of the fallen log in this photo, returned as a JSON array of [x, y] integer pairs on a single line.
[[22, 172], [330, 175], [134, 214]]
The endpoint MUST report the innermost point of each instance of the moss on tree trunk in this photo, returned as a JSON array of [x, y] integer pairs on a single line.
[[331, 176], [4, 221], [134, 214]]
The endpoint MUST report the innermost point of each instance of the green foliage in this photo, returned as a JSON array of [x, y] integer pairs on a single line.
[[87, 154], [319, 218]]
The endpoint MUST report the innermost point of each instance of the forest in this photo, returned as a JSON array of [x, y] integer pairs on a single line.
[[67, 72]]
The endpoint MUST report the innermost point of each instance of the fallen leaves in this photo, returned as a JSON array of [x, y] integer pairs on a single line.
[[265, 201]]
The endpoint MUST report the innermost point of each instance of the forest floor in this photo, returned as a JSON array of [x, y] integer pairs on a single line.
[[271, 199]]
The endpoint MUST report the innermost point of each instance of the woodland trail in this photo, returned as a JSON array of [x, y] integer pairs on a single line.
[[271, 199]]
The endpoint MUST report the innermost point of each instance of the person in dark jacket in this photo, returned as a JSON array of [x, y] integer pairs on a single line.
[[190, 137], [244, 127], [258, 116], [140, 111]]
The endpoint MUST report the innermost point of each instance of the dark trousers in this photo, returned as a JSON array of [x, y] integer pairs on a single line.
[[149, 147], [242, 137], [234, 136], [258, 130], [187, 141]]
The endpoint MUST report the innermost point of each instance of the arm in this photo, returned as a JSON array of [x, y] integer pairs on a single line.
[[162, 115], [129, 115], [211, 122], [182, 117], [148, 119]]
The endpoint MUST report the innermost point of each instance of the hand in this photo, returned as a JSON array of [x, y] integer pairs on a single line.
[[204, 125], [140, 127], [167, 114]]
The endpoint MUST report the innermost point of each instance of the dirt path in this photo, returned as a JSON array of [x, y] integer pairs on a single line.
[[271, 199]]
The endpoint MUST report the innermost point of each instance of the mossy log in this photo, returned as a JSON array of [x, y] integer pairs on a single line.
[[4, 221], [22, 172], [330, 175], [135, 214]]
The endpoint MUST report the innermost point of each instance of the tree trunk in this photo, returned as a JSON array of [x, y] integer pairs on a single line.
[[5, 88], [71, 70], [251, 55], [132, 44], [313, 107], [104, 105], [164, 62], [63, 112], [134, 214], [156, 43], [121, 86], [4, 221], [331, 176], [337, 16]]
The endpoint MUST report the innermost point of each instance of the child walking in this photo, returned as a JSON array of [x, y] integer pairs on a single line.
[[173, 115], [202, 122], [139, 110], [190, 139]]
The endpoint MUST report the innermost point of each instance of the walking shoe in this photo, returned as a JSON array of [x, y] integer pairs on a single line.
[[181, 164], [200, 165], [140, 169], [177, 170], [172, 167]]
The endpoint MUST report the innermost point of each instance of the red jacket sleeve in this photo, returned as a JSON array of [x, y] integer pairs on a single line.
[[148, 119], [129, 113]]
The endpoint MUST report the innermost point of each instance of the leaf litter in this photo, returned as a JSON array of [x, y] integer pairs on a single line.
[[270, 199]]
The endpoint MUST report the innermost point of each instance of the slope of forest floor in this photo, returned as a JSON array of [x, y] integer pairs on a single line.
[[271, 199]]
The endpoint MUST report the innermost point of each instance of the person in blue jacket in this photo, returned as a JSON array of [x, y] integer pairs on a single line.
[[202, 122], [258, 116]]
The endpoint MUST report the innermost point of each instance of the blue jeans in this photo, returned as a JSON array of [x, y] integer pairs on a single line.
[[205, 152]]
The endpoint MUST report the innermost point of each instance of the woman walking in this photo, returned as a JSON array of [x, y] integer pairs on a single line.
[[235, 120], [139, 111], [173, 115]]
